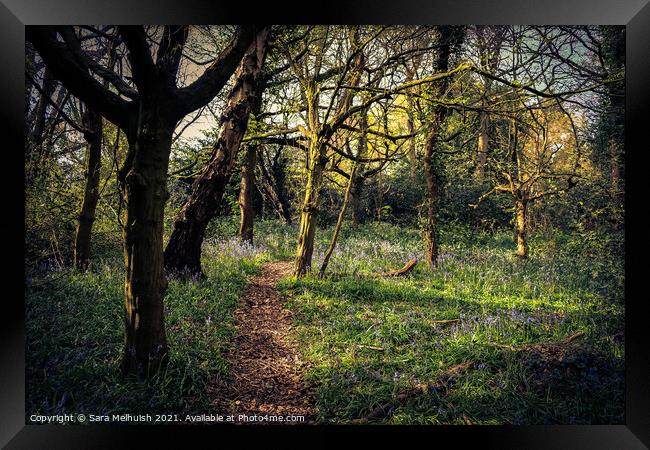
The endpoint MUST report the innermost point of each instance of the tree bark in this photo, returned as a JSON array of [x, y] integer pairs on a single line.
[[431, 177], [356, 195], [307, 228], [482, 146], [273, 189], [521, 207], [93, 123], [183, 252], [246, 209], [144, 188], [448, 39], [339, 223], [36, 147]]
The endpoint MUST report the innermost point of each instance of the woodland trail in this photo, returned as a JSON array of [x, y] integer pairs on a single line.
[[265, 368]]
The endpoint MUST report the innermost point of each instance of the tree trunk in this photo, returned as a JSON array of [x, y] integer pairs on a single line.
[[431, 176], [520, 228], [411, 153], [93, 122], [339, 223], [448, 40], [148, 120], [273, 189], [183, 252], [36, 147], [482, 144], [246, 223], [356, 194], [145, 193], [309, 212]]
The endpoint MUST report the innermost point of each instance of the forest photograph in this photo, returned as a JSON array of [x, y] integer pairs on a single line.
[[325, 224]]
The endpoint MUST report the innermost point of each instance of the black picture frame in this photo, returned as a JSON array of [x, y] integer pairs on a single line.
[[15, 14]]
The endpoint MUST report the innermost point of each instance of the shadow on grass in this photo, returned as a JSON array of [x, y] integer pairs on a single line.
[[586, 387], [369, 340]]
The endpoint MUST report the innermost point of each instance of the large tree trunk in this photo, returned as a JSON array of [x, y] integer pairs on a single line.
[[431, 170], [93, 123], [246, 209], [145, 193], [309, 212], [432, 194], [183, 252], [520, 228]]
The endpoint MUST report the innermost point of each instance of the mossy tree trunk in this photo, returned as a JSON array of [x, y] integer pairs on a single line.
[[521, 207], [93, 124], [247, 212], [432, 197], [449, 40], [309, 211], [482, 146], [319, 135]]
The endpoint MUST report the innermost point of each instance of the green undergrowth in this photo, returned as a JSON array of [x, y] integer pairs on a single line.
[[370, 339], [367, 339], [75, 336]]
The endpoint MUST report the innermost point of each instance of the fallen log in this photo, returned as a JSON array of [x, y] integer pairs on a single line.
[[408, 267], [551, 345], [445, 322], [371, 347], [442, 381]]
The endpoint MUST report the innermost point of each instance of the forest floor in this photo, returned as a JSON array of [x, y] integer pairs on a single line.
[[492, 340], [265, 375]]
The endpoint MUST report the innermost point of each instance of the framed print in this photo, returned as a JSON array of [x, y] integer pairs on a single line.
[[370, 220]]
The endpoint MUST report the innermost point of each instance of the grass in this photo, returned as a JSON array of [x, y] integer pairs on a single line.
[[366, 339], [369, 339], [75, 335]]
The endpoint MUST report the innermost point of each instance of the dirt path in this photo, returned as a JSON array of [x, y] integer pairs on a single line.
[[265, 366]]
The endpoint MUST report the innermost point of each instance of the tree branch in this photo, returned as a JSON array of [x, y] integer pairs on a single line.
[[171, 51], [204, 89], [70, 38], [142, 66], [68, 69]]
